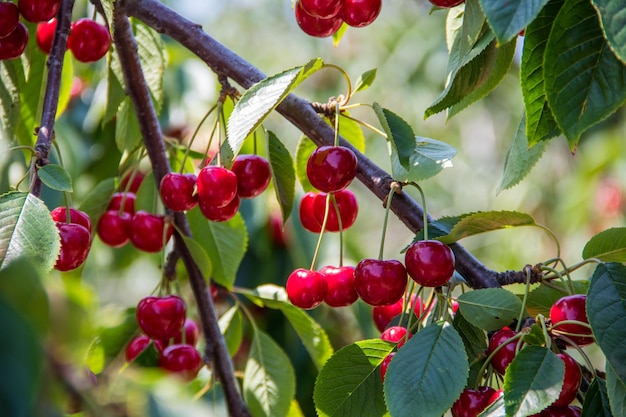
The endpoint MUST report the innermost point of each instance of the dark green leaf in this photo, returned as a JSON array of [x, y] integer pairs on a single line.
[[535, 336], [428, 158], [32, 81], [596, 400], [283, 174], [608, 245], [399, 133], [55, 177], [9, 97], [481, 222], [127, 133], [489, 308], [231, 326], [147, 195], [613, 19], [115, 337], [474, 339], [365, 80], [508, 18], [199, 256], [616, 391], [541, 298], [303, 151], [428, 374], [96, 202], [149, 357]]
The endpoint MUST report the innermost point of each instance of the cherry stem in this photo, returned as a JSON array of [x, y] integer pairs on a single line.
[[481, 371], [348, 82], [193, 137], [424, 214], [581, 352], [518, 326], [553, 237], [367, 125], [567, 282], [392, 191], [544, 328], [319, 238], [337, 114], [336, 208], [208, 146]]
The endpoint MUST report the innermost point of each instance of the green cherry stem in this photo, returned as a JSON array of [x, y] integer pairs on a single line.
[[193, 137], [567, 282], [425, 215], [208, 146], [394, 187], [337, 114], [347, 78], [582, 353], [365, 124], [336, 208], [487, 361], [524, 300], [319, 239], [544, 328]]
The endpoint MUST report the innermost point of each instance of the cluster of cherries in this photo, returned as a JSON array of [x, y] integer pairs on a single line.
[[322, 18], [88, 40], [164, 324]]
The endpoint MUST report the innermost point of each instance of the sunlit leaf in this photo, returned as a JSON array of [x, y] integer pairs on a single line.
[[55, 177], [608, 245], [489, 308], [428, 158], [365, 80], [487, 221], [303, 151], [231, 326], [127, 133]]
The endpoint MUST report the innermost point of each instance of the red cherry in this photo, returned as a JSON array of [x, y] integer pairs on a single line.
[[572, 307], [472, 402], [89, 40], [382, 315], [45, 35], [182, 360], [135, 184], [161, 317], [340, 285], [331, 168], [307, 213], [177, 191], [314, 26], [220, 214], [359, 13], [59, 214], [323, 9], [348, 210], [571, 380], [147, 231], [12, 45], [504, 356], [217, 186], [38, 10], [305, 288], [429, 262], [128, 199], [561, 411], [380, 282], [114, 228], [253, 175], [9, 17], [191, 331], [385, 364], [136, 346], [75, 245], [395, 334], [446, 4]]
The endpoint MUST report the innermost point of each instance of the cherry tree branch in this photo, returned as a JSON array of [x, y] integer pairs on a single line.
[[139, 93]]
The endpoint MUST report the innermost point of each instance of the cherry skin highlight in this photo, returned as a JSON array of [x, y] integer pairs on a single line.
[[183, 360], [59, 214], [161, 317], [340, 285], [323, 9], [305, 288], [253, 175], [307, 213], [217, 186], [380, 282], [314, 26], [347, 205], [38, 10], [89, 41], [148, 233], [571, 380], [75, 245], [331, 168], [114, 228], [360, 13], [45, 35], [177, 191], [472, 402], [504, 356], [136, 346], [127, 198], [220, 214], [429, 262]]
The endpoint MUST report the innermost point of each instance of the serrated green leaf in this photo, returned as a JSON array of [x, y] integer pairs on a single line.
[[365, 80], [613, 19], [283, 174], [224, 242], [27, 229], [199, 256], [489, 308], [475, 342], [467, 22], [596, 402], [608, 245], [487, 221], [535, 336], [428, 374], [616, 391], [9, 97], [304, 149], [96, 202], [585, 82], [55, 177], [507, 19], [260, 99], [231, 326], [152, 57], [495, 409], [269, 383], [428, 158], [349, 384], [127, 133], [399, 134], [540, 299], [606, 310]]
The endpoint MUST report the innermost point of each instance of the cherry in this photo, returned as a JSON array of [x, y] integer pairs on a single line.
[[135, 184], [446, 4], [380, 282], [348, 210], [191, 331], [45, 35], [315, 26], [129, 202], [385, 364], [571, 380], [504, 356], [59, 214], [305, 288], [114, 228], [89, 40], [220, 214], [75, 245], [382, 315], [572, 307], [307, 213], [177, 191], [560, 411], [253, 175], [472, 402], [147, 231], [324, 9], [340, 285], [395, 334], [9, 17], [136, 346], [331, 168], [38, 10], [217, 186], [359, 13], [161, 317], [182, 360], [12, 45], [429, 262]]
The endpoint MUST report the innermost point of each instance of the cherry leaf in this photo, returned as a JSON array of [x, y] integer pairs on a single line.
[[283, 174], [365, 80], [481, 222], [507, 19], [399, 133], [489, 308], [540, 299], [596, 402], [303, 151], [608, 245], [428, 157], [55, 177], [231, 326], [97, 200], [613, 21], [616, 390]]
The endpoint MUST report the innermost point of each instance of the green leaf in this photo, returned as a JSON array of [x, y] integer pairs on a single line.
[[428, 158], [269, 383], [532, 381], [585, 82], [96, 202], [540, 124], [608, 245], [489, 308], [32, 80], [520, 158], [616, 391], [67, 80], [147, 194], [9, 97], [481, 222], [365, 80], [55, 177], [474, 339], [466, 25], [152, 56], [399, 134], [231, 326], [351, 131], [596, 400], [127, 133], [613, 20], [115, 336], [428, 374], [259, 100], [540, 299], [507, 19], [349, 384], [199, 256], [115, 89], [26, 229], [496, 409], [303, 151], [283, 174], [606, 310], [224, 242]]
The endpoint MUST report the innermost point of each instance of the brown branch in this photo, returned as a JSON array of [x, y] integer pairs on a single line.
[[139, 93]]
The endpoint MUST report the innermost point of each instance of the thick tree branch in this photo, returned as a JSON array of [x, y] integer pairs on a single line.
[[137, 89]]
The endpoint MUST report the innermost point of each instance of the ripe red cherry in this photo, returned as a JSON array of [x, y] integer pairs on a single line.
[[331, 168], [359, 13], [45, 35], [217, 186], [340, 285], [114, 228], [504, 356], [147, 231], [472, 402], [12, 45], [446, 4], [59, 214], [305, 288], [177, 191], [161, 317], [9, 17], [314, 26], [307, 213], [572, 307], [382, 315], [182, 360], [385, 364], [380, 282], [348, 210], [135, 184], [571, 380], [395, 334], [253, 175], [220, 214], [89, 40], [38, 10], [560, 411], [75, 245], [127, 198], [191, 332], [324, 9], [429, 262], [136, 346]]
